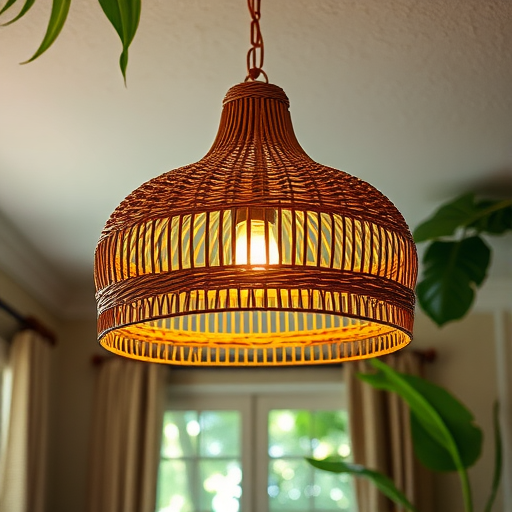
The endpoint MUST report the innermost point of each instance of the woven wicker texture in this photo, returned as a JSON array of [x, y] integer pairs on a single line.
[[255, 255]]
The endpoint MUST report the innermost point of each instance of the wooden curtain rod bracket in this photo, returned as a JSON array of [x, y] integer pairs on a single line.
[[428, 355], [30, 322], [33, 323], [98, 359]]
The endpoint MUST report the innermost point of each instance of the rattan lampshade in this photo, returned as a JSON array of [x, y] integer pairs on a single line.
[[255, 255]]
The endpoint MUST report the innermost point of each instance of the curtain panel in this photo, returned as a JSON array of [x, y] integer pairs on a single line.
[[126, 430], [381, 437], [24, 460]]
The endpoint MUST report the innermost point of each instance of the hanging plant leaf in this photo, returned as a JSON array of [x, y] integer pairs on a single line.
[[60, 9], [124, 15], [498, 458], [448, 423], [382, 482], [447, 219], [24, 10], [495, 217], [7, 5], [452, 271]]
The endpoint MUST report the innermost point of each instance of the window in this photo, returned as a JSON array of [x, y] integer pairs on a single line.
[[241, 447], [200, 467], [5, 393]]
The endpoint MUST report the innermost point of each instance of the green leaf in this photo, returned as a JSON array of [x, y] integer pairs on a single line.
[[24, 10], [431, 406], [459, 421], [498, 458], [452, 271], [7, 5], [124, 15], [446, 424], [382, 482], [428, 450], [495, 217], [60, 9], [447, 219]]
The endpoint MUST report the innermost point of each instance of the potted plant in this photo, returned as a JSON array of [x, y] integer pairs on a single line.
[[455, 263]]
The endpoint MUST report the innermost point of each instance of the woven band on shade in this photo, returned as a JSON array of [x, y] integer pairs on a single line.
[[255, 255]]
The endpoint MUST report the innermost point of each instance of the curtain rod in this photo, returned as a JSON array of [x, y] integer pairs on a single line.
[[30, 322]]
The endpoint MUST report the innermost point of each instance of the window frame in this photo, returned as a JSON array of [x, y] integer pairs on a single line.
[[254, 399], [264, 404], [201, 400]]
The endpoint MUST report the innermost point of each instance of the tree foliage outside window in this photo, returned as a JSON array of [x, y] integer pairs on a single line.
[[201, 466], [292, 483]]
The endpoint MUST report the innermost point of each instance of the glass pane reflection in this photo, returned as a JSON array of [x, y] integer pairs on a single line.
[[200, 468], [293, 485], [287, 481], [220, 434], [289, 433], [221, 489], [175, 486]]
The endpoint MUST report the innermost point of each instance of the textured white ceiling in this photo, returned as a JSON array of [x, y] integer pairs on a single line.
[[413, 96]]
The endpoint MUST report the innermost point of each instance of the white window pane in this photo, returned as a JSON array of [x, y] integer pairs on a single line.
[[200, 468], [176, 489], [287, 482], [180, 432], [329, 434], [335, 492], [221, 485], [293, 485], [220, 434], [289, 433]]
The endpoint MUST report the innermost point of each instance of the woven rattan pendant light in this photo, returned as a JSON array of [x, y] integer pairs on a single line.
[[256, 254]]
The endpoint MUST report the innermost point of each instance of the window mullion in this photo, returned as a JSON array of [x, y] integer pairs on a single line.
[[261, 460], [247, 454]]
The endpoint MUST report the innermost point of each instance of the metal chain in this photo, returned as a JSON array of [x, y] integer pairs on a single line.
[[256, 53]]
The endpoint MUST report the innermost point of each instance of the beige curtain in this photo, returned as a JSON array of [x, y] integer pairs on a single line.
[[381, 438], [23, 465], [126, 434]]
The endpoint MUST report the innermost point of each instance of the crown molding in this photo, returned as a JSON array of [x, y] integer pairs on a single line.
[[23, 263]]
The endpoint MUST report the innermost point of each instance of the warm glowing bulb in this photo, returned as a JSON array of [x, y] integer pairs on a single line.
[[258, 245]]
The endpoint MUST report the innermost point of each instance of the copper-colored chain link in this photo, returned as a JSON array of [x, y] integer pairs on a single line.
[[256, 53]]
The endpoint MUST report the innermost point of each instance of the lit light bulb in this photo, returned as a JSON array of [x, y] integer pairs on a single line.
[[258, 254]]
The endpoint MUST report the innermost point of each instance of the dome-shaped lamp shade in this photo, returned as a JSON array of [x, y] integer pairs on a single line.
[[255, 255]]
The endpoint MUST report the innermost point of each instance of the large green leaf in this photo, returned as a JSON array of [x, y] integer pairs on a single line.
[[495, 217], [498, 458], [447, 219], [459, 421], [124, 16], [452, 272], [28, 4], [382, 482], [448, 423], [60, 9]]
